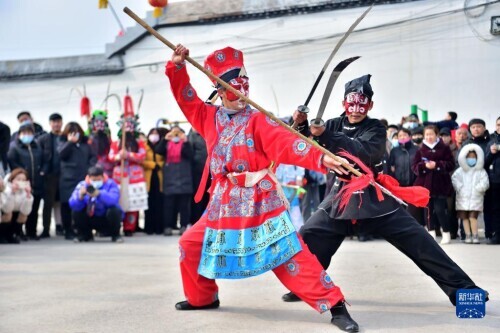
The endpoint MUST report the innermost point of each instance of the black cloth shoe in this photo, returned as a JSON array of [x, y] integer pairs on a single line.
[[342, 319], [45, 234], [184, 305], [59, 230], [290, 297], [128, 233], [117, 239], [495, 240]]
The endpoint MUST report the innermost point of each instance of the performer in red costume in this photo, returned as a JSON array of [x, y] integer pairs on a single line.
[[135, 197], [246, 230]]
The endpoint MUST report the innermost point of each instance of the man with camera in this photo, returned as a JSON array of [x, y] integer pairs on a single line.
[[94, 205]]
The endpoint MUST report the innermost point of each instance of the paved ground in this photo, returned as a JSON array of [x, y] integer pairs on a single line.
[[57, 286]]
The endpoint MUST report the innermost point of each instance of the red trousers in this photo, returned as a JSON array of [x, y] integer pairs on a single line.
[[302, 274], [130, 221]]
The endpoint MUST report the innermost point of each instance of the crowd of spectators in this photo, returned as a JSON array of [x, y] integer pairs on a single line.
[[72, 173]]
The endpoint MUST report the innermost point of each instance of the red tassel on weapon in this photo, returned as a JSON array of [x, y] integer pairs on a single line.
[[357, 183]]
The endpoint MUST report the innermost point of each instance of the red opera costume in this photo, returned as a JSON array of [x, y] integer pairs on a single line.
[[133, 170], [246, 229]]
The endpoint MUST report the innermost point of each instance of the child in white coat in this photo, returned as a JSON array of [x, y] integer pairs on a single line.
[[470, 181], [16, 203]]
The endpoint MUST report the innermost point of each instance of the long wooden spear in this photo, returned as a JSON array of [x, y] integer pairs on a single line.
[[193, 62]]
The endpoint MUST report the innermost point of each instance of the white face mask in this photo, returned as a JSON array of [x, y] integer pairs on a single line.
[[154, 138], [176, 139]]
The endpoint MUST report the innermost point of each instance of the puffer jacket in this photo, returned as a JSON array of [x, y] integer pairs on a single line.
[[470, 183], [18, 201]]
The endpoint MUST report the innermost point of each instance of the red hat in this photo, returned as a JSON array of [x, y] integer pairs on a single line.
[[226, 63]]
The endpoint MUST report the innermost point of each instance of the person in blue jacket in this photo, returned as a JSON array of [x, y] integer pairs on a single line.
[[94, 205]]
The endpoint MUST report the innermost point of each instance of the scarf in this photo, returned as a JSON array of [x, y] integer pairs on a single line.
[[174, 152]]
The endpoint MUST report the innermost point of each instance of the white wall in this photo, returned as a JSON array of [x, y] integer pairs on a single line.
[[438, 64]]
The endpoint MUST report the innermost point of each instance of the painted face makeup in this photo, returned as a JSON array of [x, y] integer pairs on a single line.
[[241, 84], [99, 125], [356, 102]]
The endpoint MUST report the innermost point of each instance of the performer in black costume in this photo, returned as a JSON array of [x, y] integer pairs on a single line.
[[325, 231]]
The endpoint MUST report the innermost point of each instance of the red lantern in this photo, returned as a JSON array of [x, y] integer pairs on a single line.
[[159, 5]]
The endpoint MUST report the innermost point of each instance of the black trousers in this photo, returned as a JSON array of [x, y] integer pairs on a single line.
[[324, 236], [495, 208], [177, 204], [198, 208], [437, 211], [32, 221], [153, 219], [108, 224], [67, 220], [51, 196]]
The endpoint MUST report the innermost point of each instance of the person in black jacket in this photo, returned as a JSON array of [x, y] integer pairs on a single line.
[[76, 157], [177, 179], [4, 148], [25, 153], [199, 148], [492, 166], [25, 117], [49, 142], [325, 231]]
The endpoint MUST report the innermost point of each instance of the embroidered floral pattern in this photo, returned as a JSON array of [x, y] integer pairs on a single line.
[[188, 93], [292, 267], [323, 305], [326, 280], [183, 254], [300, 147]]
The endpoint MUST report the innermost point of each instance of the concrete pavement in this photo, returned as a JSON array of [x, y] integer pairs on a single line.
[[58, 286]]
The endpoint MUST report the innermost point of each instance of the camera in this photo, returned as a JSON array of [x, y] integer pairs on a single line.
[[90, 189]]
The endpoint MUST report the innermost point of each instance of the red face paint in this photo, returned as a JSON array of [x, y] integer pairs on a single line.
[[241, 84], [356, 102]]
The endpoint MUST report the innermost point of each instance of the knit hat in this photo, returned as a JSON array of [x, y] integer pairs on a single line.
[[475, 121]]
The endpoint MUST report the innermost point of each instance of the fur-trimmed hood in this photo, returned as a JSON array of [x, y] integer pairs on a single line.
[[463, 156]]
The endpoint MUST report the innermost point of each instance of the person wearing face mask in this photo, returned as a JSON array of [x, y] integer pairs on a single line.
[[411, 122], [470, 181], [94, 205], [246, 230], [76, 156], [417, 136], [433, 164], [177, 179], [128, 154], [401, 158], [16, 201], [364, 137], [153, 165], [27, 154]]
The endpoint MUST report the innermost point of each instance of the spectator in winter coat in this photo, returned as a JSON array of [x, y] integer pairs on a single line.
[[94, 205], [400, 162], [153, 165], [470, 181], [177, 179], [49, 142], [492, 165], [76, 157], [4, 148], [16, 202], [25, 153], [198, 164], [479, 134], [432, 164], [417, 136], [25, 117]]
